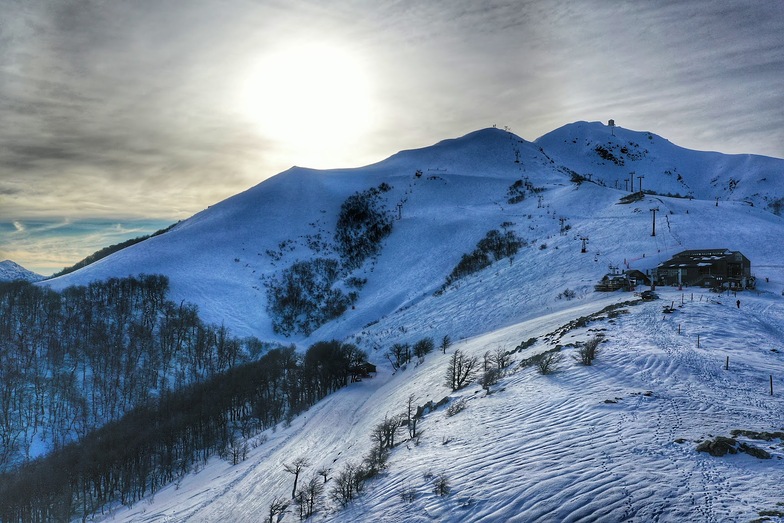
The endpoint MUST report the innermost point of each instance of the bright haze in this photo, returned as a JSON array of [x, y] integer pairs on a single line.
[[120, 118]]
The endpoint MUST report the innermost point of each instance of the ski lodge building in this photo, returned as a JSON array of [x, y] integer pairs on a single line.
[[715, 268]]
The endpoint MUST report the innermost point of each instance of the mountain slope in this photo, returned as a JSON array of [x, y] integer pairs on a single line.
[[447, 197], [615, 441], [611, 442], [615, 156], [10, 271]]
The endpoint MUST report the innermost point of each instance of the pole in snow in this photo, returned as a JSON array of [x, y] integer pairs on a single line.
[[654, 210]]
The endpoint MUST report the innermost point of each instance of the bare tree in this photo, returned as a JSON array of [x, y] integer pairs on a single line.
[[423, 347], [384, 433], [307, 496], [347, 484], [323, 472], [411, 417], [490, 378], [502, 358], [446, 342], [276, 508], [399, 355], [460, 370], [441, 485], [375, 460], [236, 450], [295, 468]]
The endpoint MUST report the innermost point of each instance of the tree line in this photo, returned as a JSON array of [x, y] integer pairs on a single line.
[[74, 360], [160, 441]]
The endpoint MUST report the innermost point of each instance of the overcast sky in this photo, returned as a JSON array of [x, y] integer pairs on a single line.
[[120, 117]]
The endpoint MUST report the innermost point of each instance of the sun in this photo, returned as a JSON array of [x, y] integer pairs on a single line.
[[309, 95]]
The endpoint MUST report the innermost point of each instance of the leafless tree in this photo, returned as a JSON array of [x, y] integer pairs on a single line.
[[502, 358], [348, 483], [490, 378], [460, 370], [384, 433], [423, 347], [446, 342], [307, 497], [411, 417], [295, 468], [276, 508], [323, 472], [375, 460], [441, 485], [399, 355]]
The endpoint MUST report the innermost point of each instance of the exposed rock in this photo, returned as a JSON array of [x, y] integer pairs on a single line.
[[720, 446], [757, 452]]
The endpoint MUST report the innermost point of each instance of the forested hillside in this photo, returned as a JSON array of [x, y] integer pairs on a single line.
[[73, 361]]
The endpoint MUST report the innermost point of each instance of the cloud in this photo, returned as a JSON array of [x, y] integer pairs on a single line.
[[47, 246], [127, 110]]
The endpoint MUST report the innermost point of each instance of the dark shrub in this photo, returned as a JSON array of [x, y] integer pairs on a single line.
[[304, 298], [494, 246], [362, 223]]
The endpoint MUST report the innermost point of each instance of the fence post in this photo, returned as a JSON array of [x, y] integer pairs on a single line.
[[771, 384], [727, 365]]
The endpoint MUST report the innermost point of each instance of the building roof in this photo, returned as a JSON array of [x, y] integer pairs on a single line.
[[698, 258], [704, 252]]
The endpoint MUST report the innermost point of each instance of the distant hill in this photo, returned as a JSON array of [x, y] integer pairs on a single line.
[[11, 271], [106, 251]]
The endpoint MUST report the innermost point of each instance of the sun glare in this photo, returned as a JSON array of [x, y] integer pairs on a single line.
[[315, 96]]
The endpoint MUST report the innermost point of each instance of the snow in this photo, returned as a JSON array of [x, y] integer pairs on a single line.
[[596, 443], [10, 271], [582, 444]]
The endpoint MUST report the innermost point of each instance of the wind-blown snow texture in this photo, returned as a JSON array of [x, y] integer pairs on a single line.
[[597, 443]]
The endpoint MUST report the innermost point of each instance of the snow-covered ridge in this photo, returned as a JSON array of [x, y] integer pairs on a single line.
[[11, 271], [614, 156], [447, 196]]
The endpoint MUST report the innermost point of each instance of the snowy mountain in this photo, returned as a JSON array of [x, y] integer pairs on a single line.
[[613, 441], [665, 168], [11, 271], [448, 197]]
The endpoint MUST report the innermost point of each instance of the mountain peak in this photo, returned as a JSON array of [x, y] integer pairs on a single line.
[[12, 271], [596, 131]]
